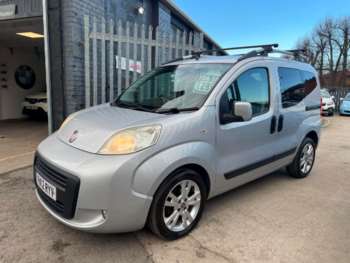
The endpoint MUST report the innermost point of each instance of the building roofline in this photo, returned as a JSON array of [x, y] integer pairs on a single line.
[[176, 10]]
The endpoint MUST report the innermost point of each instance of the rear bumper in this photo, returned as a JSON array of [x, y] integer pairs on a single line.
[[106, 202]]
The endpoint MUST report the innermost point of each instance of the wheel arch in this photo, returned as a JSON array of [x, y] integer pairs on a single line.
[[313, 136], [197, 168]]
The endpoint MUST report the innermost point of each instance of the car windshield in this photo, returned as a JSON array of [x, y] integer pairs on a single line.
[[347, 97], [173, 88], [325, 94]]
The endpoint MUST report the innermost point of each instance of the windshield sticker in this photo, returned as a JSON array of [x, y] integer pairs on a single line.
[[205, 83]]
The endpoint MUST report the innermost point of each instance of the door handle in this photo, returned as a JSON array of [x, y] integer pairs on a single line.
[[273, 125], [280, 123]]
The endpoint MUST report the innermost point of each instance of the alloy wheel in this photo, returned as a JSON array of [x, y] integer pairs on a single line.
[[307, 158], [182, 205]]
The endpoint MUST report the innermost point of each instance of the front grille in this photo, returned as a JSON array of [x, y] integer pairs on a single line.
[[347, 111], [67, 187]]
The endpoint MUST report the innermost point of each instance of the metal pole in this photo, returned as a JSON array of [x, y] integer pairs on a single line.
[[47, 65]]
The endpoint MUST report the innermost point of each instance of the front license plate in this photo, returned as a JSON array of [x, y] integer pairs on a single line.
[[45, 186]]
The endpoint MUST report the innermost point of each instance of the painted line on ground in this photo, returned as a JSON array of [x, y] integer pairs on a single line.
[[17, 156]]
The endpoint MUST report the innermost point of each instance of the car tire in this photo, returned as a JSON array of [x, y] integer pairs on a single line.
[[330, 112], [304, 159], [178, 204]]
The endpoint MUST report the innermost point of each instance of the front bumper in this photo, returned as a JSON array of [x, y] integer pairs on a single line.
[[343, 111], [105, 185]]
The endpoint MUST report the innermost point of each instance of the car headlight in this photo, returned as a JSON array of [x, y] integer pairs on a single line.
[[131, 140]]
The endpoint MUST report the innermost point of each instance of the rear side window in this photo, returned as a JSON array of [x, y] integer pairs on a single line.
[[295, 85], [251, 86]]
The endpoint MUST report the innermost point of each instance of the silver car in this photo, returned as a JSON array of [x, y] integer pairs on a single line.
[[182, 134]]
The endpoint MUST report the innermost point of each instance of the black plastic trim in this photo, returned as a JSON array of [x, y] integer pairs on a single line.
[[273, 125], [280, 123], [256, 165], [67, 185], [312, 107]]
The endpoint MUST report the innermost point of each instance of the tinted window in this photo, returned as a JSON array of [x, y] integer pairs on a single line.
[[251, 86], [310, 82], [295, 85]]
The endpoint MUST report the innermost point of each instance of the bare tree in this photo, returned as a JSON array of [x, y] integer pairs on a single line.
[[344, 27], [327, 48]]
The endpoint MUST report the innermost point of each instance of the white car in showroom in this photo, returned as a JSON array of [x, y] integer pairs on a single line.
[[35, 105], [327, 101]]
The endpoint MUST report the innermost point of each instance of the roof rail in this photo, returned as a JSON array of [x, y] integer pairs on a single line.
[[263, 50], [265, 47]]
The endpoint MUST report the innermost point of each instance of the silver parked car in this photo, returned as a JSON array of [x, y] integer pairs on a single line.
[[182, 134]]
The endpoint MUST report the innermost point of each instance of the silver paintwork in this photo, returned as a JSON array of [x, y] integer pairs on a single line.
[[124, 185]]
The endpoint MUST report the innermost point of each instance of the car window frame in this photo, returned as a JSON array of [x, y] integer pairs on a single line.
[[268, 71]]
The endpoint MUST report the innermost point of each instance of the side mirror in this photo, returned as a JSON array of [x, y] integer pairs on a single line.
[[242, 110]]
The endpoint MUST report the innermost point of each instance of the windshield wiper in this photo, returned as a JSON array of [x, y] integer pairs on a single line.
[[133, 106], [176, 110]]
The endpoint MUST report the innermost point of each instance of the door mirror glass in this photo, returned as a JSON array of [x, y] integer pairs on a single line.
[[242, 110]]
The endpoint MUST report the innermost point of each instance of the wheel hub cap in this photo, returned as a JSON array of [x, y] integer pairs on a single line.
[[307, 158], [182, 205]]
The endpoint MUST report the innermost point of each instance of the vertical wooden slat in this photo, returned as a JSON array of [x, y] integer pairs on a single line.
[[156, 55], [149, 52], [177, 44], [127, 55], [190, 41], [149, 57], [143, 33], [163, 48], [111, 60], [120, 43], [201, 41], [170, 49], [134, 75], [103, 61], [183, 51], [87, 60], [94, 57]]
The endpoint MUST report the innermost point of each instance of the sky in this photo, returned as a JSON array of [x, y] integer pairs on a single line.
[[250, 22]]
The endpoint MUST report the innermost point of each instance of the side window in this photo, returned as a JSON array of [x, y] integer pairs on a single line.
[[251, 86], [310, 82], [295, 85]]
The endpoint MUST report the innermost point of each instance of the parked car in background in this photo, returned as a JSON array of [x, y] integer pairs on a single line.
[[344, 108], [35, 105], [328, 105]]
